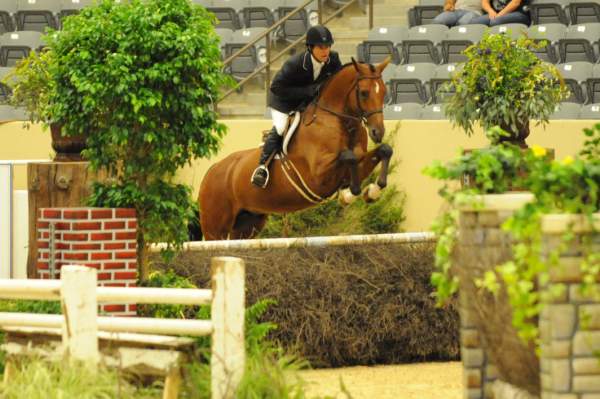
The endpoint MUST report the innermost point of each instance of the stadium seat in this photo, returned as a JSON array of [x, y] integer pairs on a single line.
[[7, 10], [227, 12], [403, 111], [37, 15], [382, 42], [584, 11], [424, 12], [297, 25], [566, 111], [593, 86], [551, 33], [421, 44], [514, 30], [576, 75], [590, 111], [250, 59], [458, 38], [72, 7], [433, 112], [443, 74], [409, 83], [578, 44], [548, 12], [17, 45], [259, 13]]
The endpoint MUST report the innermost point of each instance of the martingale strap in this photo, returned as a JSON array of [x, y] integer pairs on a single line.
[[287, 166]]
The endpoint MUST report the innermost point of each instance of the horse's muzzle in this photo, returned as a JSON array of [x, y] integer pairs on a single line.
[[376, 134]]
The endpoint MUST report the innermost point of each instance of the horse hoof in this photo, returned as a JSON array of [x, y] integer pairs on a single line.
[[346, 197], [372, 193]]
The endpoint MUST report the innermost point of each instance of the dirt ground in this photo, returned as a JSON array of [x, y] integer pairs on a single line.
[[406, 381]]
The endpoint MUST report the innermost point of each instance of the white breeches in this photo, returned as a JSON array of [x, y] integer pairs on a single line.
[[279, 120]]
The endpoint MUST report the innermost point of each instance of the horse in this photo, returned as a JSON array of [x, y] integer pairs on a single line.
[[328, 152]]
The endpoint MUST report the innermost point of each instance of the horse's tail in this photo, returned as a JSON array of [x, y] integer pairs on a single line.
[[193, 227]]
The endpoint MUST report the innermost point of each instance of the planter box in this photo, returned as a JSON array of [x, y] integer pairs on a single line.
[[570, 324], [490, 347]]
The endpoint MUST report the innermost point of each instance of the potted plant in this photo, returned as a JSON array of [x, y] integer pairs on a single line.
[[502, 83], [31, 85]]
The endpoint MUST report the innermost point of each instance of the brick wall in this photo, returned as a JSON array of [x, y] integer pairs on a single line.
[[102, 238]]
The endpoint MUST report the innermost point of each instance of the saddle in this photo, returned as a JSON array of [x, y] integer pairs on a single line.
[[290, 128]]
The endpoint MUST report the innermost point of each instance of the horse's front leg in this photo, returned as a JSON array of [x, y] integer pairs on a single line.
[[383, 153], [349, 160]]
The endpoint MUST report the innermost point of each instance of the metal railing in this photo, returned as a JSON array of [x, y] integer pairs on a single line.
[[267, 34]]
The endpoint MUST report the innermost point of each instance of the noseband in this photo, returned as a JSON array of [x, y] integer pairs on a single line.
[[363, 115]]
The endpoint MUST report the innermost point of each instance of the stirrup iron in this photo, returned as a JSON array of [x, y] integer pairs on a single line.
[[261, 167]]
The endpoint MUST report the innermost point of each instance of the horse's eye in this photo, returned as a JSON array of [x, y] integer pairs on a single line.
[[364, 94]]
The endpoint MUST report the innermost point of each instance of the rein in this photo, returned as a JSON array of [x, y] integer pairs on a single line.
[[363, 115]]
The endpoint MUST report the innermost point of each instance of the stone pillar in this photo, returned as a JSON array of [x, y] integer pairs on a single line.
[[486, 331], [570, 324], [102, 238]]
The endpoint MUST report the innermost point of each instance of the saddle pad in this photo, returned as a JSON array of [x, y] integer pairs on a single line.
[[290, 132]]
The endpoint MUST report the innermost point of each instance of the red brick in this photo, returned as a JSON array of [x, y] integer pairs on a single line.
[[42, 265], [125, 212], [43, 244], [125, 255], [132, 224], [132, 265], [101, 236], [43, 234], [132, 307], [125, 275], [114, 225], [44, 255], [87, 226], [102, 213], [132, 283], [114, 265], [75, 236], [114, 245], [62, 226], [78, 214], [42, 225], [132, 245], [114, 285], [102, 256], [75, 256], [63, 245], [93, 265], [51, 214], [125, 236], [104, 276], [86, 246], [113, 308]]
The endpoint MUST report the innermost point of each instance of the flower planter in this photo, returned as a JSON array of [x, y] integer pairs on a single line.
[[490, 346], [570, 324], [68, 148]]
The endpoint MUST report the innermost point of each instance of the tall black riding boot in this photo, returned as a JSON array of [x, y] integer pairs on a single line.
[[260, 177]]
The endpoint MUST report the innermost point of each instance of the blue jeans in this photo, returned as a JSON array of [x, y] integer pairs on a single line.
[[516, 17], [453, 18]]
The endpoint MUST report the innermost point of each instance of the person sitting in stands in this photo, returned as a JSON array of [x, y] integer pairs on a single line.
[[501, 12], [458, 12]]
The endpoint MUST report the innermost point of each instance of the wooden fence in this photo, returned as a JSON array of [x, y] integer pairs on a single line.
[[80, 324]]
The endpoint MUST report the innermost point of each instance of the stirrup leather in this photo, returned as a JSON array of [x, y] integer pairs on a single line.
[[261, 167]]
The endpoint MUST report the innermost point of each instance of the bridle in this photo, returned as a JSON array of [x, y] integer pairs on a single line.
[[364, 114]]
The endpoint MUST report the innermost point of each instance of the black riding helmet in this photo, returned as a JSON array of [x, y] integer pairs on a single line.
[[319, 34]]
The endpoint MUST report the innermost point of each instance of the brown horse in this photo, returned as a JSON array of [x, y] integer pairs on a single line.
[[329, 150]]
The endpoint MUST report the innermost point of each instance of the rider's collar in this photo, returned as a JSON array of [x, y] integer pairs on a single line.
[[307, 56]]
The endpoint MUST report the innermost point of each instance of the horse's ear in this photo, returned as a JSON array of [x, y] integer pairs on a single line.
[[355, 64], [383, 64]]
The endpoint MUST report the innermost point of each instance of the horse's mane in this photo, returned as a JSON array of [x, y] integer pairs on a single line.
[[329, 79]]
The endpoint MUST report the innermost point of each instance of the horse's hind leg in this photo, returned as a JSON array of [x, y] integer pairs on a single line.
[[247, 225], [383, 153]]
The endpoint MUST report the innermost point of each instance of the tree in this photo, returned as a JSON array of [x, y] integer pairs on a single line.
[[140, 80]]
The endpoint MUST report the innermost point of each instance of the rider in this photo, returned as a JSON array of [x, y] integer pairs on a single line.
[[295, 85]]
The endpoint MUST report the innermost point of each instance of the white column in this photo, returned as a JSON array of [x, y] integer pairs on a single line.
[[80, 310], [20, 234], [228, 355]]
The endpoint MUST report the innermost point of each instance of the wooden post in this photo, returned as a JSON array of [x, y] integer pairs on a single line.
[[228, 355], [80, 310], [55, 184]]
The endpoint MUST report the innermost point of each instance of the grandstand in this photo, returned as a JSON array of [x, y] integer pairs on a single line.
[[424, 55]]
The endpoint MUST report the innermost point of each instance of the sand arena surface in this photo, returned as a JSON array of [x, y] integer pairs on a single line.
[[405, 381]]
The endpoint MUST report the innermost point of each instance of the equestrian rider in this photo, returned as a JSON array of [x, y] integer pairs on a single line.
[[293, 87]]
